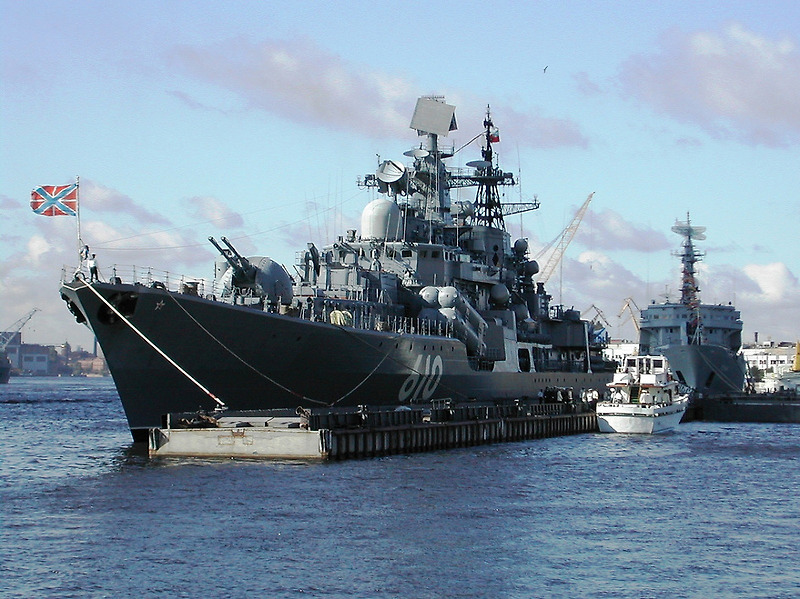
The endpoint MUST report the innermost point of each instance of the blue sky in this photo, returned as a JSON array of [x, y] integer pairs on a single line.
[[254, 120]]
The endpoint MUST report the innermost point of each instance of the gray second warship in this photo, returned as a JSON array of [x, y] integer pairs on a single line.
[[701, 341], [428, 301]]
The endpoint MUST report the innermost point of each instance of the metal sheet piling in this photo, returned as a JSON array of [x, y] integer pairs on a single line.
[[363, 434]]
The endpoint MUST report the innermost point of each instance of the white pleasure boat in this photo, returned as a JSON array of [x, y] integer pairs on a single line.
[[642, 398]]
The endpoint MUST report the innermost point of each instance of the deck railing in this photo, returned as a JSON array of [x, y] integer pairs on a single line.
[[147, 276], [363, 319]]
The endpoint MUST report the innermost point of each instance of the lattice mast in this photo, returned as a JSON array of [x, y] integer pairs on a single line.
[[689, 290], [488, 209]]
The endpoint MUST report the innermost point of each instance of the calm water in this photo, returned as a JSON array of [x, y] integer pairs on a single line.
[[712, 510]]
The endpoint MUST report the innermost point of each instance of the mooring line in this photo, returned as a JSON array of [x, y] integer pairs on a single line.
[[242, 360], [219, 402]]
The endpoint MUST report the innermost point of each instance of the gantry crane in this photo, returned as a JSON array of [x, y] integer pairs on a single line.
[[563, 241], [600, 324], [599, 316], [7, 336], [632, 315]]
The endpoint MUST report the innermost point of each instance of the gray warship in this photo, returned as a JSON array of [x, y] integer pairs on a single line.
[[700, 341], [428, 302], [5, 368]]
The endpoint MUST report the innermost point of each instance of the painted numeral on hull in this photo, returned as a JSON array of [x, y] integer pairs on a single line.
[[423, 380]]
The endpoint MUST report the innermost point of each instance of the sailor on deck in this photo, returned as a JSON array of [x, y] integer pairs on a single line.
[[92, 264]]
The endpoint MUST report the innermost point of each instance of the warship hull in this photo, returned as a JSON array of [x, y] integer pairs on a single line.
[[252, 359], [707, 369], [5, 370]]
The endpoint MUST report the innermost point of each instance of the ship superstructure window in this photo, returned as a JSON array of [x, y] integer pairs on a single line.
[[524, 359]]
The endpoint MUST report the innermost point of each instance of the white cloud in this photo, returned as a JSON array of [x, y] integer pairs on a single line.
[[609, 230], [99, 198], [733, 83], [37, 247], [208, 209], [7, 203], [301, 82], [776, 283]]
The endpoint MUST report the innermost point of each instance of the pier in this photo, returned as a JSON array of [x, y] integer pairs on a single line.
[[777, 406], [341, 435]]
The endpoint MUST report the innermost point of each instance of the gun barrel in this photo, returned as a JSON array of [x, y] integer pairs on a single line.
[[224, 254], [242, 260], [244, 273]]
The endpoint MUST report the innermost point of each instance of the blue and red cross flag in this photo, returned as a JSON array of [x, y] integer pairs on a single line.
[[55, 200]]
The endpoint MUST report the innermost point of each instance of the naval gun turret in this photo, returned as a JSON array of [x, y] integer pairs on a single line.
[[244, 273], [256, 276]]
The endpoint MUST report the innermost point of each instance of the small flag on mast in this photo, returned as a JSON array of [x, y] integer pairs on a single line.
[[55, 200]]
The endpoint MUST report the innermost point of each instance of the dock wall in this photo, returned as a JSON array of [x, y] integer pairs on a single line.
[[340, 444], [366, 434], [370, 434], [755, 407]]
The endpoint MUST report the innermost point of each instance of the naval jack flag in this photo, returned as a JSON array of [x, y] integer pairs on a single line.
[[58, 200], [55, 200]]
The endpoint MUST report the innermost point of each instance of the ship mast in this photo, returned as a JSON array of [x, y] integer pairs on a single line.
[[689, 289], [488, 210]]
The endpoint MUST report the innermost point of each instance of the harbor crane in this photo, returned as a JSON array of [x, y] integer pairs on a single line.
[[7, 336], [634, 316], [563, 241], [599, 316], [600, 324]]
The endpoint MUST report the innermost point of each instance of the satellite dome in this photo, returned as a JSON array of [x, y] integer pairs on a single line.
[[430, 296], [380, 220], [448, 296]]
